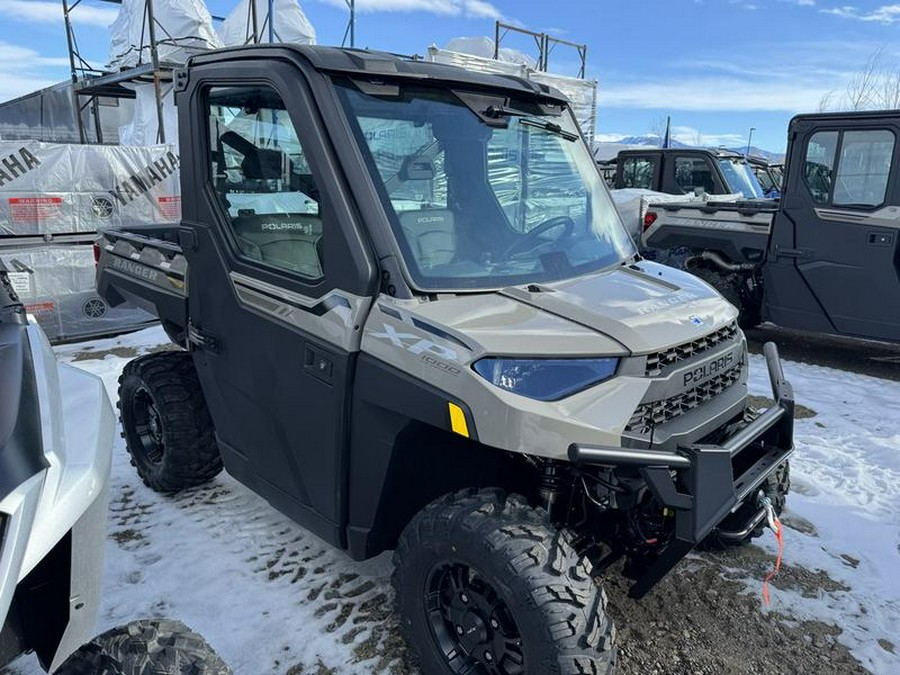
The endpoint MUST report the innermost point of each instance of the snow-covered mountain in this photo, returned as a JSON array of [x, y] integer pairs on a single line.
[[653, 141]]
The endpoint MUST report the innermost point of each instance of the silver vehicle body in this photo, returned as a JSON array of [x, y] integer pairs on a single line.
[[69, 497]]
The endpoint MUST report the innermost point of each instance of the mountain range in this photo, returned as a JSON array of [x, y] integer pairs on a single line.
[[651, 140]]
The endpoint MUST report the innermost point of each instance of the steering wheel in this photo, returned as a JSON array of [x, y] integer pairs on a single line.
[[529, 243]]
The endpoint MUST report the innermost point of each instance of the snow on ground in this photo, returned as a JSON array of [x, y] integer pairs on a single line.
[[272, 598], [846, 496]]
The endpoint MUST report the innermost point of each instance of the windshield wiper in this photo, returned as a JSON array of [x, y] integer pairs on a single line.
[[498, 112], [552, 127]]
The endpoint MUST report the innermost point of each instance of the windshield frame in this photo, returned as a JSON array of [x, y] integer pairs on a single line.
[[623, 248], [741, 166]]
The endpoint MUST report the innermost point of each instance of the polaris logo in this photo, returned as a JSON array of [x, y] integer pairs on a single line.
[[708, 370], [696, 320], [280, 227], [425, 220]]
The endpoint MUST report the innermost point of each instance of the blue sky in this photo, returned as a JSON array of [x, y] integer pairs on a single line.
[[718, 67]]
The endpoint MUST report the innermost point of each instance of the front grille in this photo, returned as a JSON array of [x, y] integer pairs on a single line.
[[659, 361], [652, 414]]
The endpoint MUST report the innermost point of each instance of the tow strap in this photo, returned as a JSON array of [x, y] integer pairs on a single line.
[[776, 527]]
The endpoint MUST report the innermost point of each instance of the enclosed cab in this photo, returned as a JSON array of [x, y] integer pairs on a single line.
[[687, 171], [411, 318], [769, 176]]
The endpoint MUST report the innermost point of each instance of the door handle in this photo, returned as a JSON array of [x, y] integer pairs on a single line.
[[792, 252], [317, 364], [880, 238]]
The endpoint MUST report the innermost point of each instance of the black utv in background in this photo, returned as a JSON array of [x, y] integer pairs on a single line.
[[687, 171], [827, 258]]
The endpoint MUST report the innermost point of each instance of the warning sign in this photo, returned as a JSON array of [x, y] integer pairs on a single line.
[[40, 308], [34, 209], [21, 282], [170, 207]]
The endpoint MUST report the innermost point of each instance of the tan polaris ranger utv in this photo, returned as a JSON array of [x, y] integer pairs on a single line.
[[411, 320]]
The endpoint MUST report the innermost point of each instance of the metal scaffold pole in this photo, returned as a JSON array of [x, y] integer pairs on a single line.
[[350, 31], [157, 84]]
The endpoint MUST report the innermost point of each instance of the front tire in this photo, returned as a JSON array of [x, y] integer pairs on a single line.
[[146, 648], [749, 312], [486, 585], [167, 427]]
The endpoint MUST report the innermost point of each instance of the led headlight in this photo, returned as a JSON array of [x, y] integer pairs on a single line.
[[545, 379]]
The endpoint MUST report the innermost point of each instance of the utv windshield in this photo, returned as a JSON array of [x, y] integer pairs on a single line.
[[741, 178], [484, 195]]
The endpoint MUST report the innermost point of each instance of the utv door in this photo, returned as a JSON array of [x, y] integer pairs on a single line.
[[844, 204], [277, 290]]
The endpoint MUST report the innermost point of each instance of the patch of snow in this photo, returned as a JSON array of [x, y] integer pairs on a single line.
[[846, 482]]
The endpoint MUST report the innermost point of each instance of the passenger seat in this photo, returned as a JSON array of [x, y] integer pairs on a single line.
[[431, 236]]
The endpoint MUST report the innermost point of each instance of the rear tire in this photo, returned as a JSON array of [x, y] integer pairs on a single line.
[[167, 427], [484, 581], [146, 648]]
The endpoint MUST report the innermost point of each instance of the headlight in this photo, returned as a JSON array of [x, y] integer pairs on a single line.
[[545, 379]]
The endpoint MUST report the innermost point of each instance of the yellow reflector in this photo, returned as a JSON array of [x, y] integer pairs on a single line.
[[458, 420]]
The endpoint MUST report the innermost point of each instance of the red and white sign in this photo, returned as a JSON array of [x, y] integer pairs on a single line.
[[170, 207], [34, 209]]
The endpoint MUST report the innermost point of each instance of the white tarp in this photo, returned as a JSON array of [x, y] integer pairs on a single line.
[[483, 47], [58, 288], [290, 24], [183, 28], [476, 54], [143, 128], [49, 188]]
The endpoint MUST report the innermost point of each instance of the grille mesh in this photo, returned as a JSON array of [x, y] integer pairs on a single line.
[[649, 415], [659, 361]]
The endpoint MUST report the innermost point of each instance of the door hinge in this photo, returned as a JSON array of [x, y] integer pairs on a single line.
[[200, 339]]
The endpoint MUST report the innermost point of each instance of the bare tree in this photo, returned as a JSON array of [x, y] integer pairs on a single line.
[[862, 89], [875, 86], [826, 103], [657, 128], [888, 93]]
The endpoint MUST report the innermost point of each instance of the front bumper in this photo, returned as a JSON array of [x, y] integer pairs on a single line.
[[703, 484]]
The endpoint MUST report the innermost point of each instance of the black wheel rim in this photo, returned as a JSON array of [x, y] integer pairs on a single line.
[[472, 626], [147, 426]]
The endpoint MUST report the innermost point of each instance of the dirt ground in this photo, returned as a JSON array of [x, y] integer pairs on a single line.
[[700, 620]]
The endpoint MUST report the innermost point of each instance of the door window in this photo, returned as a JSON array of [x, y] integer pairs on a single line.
[[263, 180], [818, 167], [694, 174], [864, 167], [856, 178], [638, 172]]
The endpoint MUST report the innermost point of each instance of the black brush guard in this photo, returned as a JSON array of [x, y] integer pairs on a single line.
[[699, 482]]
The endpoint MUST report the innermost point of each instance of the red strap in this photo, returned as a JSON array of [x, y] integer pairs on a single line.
[[771, 575]]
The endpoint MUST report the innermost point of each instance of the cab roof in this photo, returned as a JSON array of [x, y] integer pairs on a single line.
[[368, 64]]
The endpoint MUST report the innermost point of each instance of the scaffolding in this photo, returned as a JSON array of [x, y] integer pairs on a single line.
[[544, 42], [90, 83]]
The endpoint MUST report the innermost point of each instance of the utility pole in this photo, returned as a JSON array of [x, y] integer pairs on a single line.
[[749, 141]]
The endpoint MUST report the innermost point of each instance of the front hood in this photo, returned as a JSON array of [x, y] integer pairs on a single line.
[[645, 306], [636, 309]]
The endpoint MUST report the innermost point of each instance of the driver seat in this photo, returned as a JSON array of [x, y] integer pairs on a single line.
[[431, 235]]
